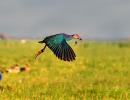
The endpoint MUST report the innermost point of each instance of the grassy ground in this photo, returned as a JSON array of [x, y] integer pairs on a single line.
[[101, 72]]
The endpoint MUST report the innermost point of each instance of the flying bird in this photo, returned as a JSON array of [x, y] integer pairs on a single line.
[[58, 45]]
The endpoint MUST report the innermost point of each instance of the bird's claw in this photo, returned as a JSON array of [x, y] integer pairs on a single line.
[[76, 42]]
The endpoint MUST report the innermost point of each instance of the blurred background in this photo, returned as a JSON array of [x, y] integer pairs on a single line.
[[101, 70], [93, 19]]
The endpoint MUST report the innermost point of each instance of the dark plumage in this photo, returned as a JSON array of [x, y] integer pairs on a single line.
[[0, 76], [58, 45]]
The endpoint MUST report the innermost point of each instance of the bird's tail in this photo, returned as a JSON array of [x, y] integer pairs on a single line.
[[40, 42]]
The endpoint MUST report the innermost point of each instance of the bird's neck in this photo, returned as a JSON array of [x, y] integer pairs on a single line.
[[68, 37]]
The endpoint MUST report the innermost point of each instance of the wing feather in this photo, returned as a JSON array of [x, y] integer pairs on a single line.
[[67, 54], [60, 52], [71, 57]]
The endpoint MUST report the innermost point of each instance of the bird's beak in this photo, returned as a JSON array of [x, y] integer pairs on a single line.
[[80, 39], [40, 42]]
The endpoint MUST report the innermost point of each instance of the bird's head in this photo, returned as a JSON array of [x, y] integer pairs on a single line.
[[76, 36]]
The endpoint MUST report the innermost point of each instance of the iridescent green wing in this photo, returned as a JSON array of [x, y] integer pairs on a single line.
[[60, 47]]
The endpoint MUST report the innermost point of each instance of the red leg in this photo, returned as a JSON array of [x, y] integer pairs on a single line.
[[39, 52]]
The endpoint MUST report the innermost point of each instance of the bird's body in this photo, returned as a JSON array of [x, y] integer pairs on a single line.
[[58, 38], [57, 43]]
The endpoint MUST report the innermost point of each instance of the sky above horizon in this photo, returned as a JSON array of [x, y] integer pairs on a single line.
[[91, 18]]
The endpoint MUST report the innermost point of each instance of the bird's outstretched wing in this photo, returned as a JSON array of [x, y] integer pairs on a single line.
[[60, 47]]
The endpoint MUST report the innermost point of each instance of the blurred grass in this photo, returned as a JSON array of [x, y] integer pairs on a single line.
[[101, 72]]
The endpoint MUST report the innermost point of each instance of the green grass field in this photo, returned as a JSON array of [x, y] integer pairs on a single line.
[[101, 71]]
